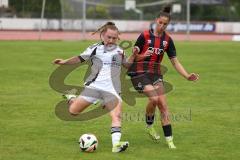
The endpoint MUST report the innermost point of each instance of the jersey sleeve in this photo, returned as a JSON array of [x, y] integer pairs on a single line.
[[89, 52], [140, 42], [171, 51]]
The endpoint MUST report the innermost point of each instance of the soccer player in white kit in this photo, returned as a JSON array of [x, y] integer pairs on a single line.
[[104, 81]]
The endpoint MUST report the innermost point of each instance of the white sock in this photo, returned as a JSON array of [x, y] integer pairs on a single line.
[[70, 96], [149, 126], [170, 138], [116, 136]]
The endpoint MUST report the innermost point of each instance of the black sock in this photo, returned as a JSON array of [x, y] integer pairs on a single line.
[[115, 129], [167, 130], [149, 119]]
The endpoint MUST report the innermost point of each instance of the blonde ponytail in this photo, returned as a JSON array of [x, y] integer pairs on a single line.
[[108, 25]]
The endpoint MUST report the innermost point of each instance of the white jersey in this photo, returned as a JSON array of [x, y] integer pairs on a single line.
[[106, 66]]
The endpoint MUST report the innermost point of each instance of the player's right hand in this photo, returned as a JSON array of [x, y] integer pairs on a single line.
[[193, 77], [58, 61], [148, 53], [140, 57]]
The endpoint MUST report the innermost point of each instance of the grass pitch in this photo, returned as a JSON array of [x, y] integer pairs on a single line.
[[205, 115]]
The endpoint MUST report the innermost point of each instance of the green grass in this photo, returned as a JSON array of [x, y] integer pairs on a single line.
[[29, 128]]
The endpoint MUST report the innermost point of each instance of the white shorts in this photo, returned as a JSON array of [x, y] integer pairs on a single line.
[[92, 95]]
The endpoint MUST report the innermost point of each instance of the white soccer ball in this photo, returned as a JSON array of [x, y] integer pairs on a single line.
[[88, 142]]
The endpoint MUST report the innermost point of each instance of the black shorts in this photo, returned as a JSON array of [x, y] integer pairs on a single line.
[[141, 80]]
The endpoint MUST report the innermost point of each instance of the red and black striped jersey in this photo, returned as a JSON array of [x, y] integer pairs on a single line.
[[158, 45]]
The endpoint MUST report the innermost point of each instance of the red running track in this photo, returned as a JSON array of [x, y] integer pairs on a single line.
[[58, 35]]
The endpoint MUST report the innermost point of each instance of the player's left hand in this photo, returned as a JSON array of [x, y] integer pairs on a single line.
[[193, 77], [135, 50]]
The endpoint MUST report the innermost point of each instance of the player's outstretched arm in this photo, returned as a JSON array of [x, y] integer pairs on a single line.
[[180, 69], [72, 60]]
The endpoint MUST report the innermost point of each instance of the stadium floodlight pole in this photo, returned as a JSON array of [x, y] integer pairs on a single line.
[[188, 20], [42, 16], [84, 20]]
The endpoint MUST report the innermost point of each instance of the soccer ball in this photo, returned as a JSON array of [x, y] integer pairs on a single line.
[[88, 142]]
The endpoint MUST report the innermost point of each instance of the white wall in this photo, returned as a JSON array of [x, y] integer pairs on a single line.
[[228, 27], [124, 26], [91, 25]]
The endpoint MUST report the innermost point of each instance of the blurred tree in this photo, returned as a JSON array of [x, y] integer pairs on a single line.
[[68, 11], [229, 11], [53, 9], [98, 12], [235, 9], [33, 8], [26, 8], [130, 15], [113, 2]]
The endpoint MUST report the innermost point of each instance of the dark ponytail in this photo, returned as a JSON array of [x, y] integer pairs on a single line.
[[165, 12], [167, 9]]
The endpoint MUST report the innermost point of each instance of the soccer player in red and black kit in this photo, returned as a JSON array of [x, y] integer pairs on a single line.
[[146, 74]]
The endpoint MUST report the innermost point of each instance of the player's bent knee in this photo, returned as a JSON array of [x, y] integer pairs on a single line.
[[153, 100], [72, 111]]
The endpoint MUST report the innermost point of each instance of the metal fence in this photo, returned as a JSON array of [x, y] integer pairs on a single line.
[[201, 10]]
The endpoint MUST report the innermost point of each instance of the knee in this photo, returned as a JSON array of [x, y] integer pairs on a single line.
[[154, 100], [72, 111]]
